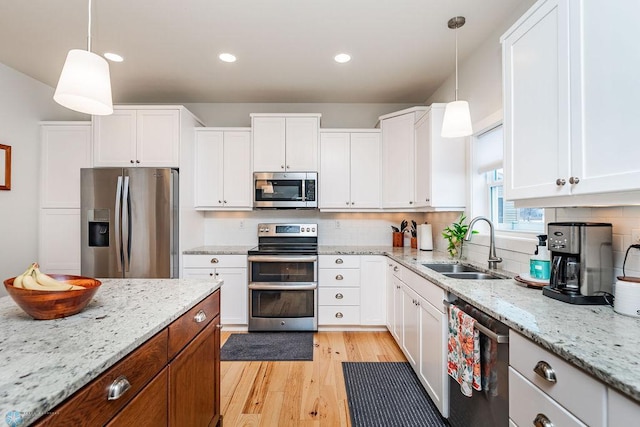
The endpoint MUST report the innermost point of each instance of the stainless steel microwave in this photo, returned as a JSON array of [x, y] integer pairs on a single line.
[[285, 190]]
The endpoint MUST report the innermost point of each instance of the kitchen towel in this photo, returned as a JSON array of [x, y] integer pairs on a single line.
[[425, 237], [463, 356]]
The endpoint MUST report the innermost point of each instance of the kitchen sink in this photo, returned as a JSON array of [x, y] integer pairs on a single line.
[[452, 268], [471, 275]]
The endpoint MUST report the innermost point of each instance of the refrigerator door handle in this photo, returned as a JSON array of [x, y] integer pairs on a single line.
[[125, 225], [118, 231]]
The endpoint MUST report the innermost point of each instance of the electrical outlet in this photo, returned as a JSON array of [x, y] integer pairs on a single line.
[[337, 224], [635, 236], [241, 223]]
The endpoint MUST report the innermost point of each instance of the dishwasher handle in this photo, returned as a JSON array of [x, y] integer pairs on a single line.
[[499, 338]]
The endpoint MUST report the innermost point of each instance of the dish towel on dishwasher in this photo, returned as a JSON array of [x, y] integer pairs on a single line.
[[463, 356]]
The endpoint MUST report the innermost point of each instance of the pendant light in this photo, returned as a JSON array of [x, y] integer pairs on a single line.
[[457, 118], [85, 84]]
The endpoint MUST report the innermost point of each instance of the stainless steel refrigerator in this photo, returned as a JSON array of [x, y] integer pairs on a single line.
[[129, 222]]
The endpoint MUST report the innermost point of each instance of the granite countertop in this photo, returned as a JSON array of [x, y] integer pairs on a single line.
[[45, 361], [594, 338]]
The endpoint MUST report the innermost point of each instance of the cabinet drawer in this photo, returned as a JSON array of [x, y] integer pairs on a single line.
[[182, 330], [339, 261], [575, 390], [526, 401], [215, 261], [90, 406], [338, 315], [148, 408], [339, 277], [339, 296]]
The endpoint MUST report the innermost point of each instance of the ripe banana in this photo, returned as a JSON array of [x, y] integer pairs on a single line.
[[36, 280], [49, 282], [17, 282], [29, 282]]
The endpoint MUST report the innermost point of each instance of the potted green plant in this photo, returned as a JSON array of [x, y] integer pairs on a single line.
[[414, 234], [398, 234], [454, 235]]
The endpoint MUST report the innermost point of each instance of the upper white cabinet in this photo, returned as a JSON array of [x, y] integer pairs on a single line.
[[285, 142], [223, 168], [421, 169], [138, 136], [350, 169], [66, 148], [569, 100]]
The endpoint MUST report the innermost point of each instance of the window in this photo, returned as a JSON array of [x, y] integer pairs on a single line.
[[488, 186]]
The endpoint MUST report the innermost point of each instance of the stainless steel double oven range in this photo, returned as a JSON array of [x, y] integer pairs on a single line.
[[283, 278]]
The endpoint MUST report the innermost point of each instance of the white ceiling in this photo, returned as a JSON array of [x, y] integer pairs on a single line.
[[402, 50]]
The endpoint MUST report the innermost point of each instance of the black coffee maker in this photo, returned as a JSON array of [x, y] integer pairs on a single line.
[[581, 263]]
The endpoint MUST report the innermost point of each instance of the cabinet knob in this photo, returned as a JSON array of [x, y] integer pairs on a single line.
[[542, 420], [426, 200], [353, 203], [287, 166], [347, 203], [339, 277], [574, 180], [545, 371], [339, 261], [339, 315], [118, 387], [339, 296], [214, 260], [397, 286], [225, 202], [560, 182], [395, 268], [281, 166], [131, 161], [211, 274], [200, 316], [137, 161], [220, 202], [410, 202]]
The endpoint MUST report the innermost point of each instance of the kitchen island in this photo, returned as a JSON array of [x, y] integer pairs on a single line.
[[46, 361]]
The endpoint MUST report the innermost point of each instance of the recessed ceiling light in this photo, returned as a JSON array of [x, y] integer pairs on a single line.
[[113, 57], [227, 57], [342, 58]]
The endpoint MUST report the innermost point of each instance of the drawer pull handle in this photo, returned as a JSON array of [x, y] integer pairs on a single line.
[[339, 261], [395, 268], [339, 296], [541, 420], [200, 316], [339, 277], [545, 371], [214, 260], [339, 315], [118, 387]]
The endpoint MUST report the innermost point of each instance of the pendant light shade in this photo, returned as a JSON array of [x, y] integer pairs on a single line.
[[85, 83], [457, 120], [457, 117]]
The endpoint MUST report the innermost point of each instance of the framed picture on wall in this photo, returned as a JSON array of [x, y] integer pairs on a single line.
[[5, 167]]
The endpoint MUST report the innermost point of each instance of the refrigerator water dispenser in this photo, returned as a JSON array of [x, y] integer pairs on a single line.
[[98, 228]]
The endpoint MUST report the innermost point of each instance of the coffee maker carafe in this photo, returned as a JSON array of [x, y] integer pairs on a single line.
[[581, 262]]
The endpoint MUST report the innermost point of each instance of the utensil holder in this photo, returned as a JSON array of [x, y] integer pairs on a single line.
[[398, 239]]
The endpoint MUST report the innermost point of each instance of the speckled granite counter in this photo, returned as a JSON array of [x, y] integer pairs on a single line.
[[45, 361], [219, 250]]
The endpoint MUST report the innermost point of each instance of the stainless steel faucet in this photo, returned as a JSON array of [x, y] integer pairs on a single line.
[[493, 259]]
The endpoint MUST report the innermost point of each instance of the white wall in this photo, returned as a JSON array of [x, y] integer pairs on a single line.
[[24, 102], [333, 115]]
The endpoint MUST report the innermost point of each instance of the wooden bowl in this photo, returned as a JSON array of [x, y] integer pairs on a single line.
[[46, 305]]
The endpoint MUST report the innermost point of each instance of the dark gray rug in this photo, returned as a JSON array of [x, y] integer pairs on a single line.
[[388, 394], [268, 346]]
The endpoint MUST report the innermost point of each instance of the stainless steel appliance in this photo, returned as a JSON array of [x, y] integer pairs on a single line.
[[295, 190], [283, 278], [489, 407], [581, 263], [129, 220]]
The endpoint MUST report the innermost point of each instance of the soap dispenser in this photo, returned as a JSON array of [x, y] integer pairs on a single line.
[[539, 264]]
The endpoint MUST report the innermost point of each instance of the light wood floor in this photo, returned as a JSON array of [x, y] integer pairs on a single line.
[[282, 394]]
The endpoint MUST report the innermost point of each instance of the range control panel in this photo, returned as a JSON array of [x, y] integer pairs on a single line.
[[288, 230]]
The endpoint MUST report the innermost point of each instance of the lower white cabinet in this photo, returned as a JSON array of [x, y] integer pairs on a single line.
[[621, 410], [351, 290], [59, 246], [418, 322], [573, 399], [234, 294]]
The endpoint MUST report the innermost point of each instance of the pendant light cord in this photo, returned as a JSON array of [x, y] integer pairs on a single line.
[[89, 30], [456, 31]]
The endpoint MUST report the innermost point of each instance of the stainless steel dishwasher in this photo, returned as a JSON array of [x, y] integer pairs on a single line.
[[489, 407]]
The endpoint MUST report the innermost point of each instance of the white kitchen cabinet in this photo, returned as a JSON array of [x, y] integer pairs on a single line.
[[59, 241], [411, 326], [530, 393], [234, 295], [421, 170], [394, 300], [373, 289], [65, 149], [138, 136], [621, 411], [350, 169], [338, 290], [285, 142], [433, 354], [223, 169], [567, 129]]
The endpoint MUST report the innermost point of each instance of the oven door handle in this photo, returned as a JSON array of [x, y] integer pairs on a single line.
[[282, 258], [264, 287]]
